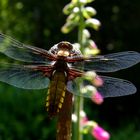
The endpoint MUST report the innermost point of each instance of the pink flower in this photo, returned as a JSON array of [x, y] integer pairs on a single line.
[[84, 120], [97, 98], [93, 45], [100, 134], [97, 81]]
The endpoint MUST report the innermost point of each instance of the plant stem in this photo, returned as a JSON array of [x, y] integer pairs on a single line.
[[81, 28], [64, 119], [79, 100]]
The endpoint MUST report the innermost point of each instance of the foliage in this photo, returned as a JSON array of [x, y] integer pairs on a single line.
[[23, 115]]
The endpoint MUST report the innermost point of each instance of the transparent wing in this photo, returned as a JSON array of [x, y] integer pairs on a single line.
[[28, 77], [19, 51], [111, 62], [112, 87]]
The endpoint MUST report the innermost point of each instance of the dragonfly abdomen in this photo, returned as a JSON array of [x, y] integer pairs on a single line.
[[56, 93]]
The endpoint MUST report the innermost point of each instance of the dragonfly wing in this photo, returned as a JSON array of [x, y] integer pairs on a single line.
[[114, 87], [23, 77], [19, 51], [72, 87], [112, 62]]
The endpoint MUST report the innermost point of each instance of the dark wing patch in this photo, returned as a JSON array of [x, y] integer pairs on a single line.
[[23, 77], [19, 51]]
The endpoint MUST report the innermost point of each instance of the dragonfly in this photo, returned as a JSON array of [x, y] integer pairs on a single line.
[[57, 69]]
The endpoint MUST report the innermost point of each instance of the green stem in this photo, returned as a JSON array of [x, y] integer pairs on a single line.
[[80, 30], [79, 100]]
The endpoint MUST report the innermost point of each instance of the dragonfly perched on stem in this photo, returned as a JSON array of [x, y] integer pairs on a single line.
[[58, 68]]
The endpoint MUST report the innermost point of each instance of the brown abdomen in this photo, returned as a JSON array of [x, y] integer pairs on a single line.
[[56, 93]]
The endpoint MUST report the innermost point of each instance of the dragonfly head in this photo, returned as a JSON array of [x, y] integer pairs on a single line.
[[64, 48]]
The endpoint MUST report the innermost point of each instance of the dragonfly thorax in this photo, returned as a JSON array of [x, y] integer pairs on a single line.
[[60, 65]]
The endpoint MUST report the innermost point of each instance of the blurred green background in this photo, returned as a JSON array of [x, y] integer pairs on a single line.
[[22, 112]]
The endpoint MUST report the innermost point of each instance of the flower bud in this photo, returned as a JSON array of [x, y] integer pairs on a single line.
[[93, 23], [88, 12], [88, 126], [89, 75], [91, 52], [86, 33], [74, 1], [68, 27], [97, 81], [75, 9], [97, 98], [68, 8], [73, 17], [99, 133], [84, 118], [74, 118], [84, 1], [92, 44]]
